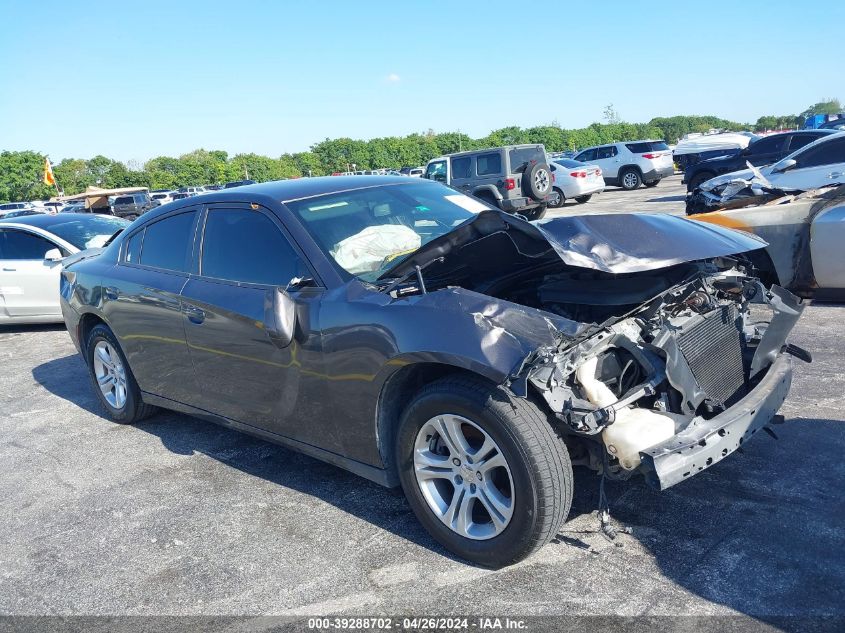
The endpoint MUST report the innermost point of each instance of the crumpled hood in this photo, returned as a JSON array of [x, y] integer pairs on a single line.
[[612, 243]]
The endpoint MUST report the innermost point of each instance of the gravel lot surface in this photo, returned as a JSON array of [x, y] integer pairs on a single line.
[[179, 516]]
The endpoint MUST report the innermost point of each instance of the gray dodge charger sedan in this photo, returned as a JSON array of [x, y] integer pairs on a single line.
[[415, 336]]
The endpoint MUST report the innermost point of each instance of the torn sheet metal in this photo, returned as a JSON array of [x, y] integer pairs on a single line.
[[612, 243]]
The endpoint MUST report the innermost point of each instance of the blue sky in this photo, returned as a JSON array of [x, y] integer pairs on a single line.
[[133, 80]]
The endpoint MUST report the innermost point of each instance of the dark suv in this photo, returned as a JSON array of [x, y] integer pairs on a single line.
[[133, 205], [760, 152], [514, 178]]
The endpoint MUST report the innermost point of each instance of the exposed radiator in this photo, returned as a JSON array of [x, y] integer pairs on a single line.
[[713, 351]]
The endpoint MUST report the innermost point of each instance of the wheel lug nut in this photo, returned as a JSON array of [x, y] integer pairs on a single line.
[[472, 488], [459, 480], [478, 475], [456, 461]]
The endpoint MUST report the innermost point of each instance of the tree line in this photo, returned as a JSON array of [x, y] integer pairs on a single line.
[[21, 172]]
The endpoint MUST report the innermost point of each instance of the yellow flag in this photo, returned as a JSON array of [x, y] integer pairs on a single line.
[[49, 179]]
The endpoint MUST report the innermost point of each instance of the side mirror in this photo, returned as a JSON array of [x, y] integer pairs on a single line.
[[53, 255], [785, 165], [280, 318]]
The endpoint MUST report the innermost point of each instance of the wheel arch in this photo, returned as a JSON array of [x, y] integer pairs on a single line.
[[87, 322], [483, 191], [397, 391]]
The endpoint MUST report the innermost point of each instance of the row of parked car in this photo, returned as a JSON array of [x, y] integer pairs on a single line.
[[129, 206], [526, 180]]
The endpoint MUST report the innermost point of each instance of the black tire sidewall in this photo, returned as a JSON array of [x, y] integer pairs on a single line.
[[516, 537], [583, 199], [127, 413], [698, 180], [560, 201]]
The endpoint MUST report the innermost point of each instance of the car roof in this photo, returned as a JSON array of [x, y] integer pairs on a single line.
[[287, 190]]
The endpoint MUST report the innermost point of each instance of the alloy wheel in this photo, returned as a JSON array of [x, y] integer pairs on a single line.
[[110, 374], [464, 477], [541, 180], [630, 180]]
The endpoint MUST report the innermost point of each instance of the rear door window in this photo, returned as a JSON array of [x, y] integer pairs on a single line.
[[828, 153], [461, 167], [800, 140], [168, 242], [489, 164], [606, 152], [644, 147], [246, 246]]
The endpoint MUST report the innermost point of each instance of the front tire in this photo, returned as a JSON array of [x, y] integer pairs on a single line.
[[112, 379], [483, 471], [630, 179]]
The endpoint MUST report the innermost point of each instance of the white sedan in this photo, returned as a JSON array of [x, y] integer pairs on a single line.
[[574, 181], [31, 252]]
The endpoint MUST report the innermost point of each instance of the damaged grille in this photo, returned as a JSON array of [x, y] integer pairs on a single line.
[[713, 351]]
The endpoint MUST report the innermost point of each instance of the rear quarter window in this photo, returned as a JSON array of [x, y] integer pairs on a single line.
[[489, 164], [647, 146]]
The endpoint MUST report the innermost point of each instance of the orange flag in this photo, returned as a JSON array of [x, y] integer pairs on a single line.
[[49, 179]]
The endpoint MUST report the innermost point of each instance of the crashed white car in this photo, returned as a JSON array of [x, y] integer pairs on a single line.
[[32, 251], [819, 164]]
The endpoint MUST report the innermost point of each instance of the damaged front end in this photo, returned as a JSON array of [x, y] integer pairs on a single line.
[[678, 383], [664, 350]]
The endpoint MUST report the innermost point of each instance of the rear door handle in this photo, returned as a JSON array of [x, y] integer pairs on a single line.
[[9, 270], [112, 292], [194, 314]]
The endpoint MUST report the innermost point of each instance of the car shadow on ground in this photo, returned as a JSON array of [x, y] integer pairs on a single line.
[[759, 533], [680, 198], [23, 329]]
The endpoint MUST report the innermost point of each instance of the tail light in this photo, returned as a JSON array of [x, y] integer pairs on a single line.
[[652, 156], [510, 184], [578, 174]]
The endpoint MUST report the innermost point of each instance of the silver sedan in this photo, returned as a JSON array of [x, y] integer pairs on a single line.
[[32, 249]]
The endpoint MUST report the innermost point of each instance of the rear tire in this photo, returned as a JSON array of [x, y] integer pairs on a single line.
[[467, 450], [537, 213], [630, 179], [112, 379], [556, 198], [583, 199]]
